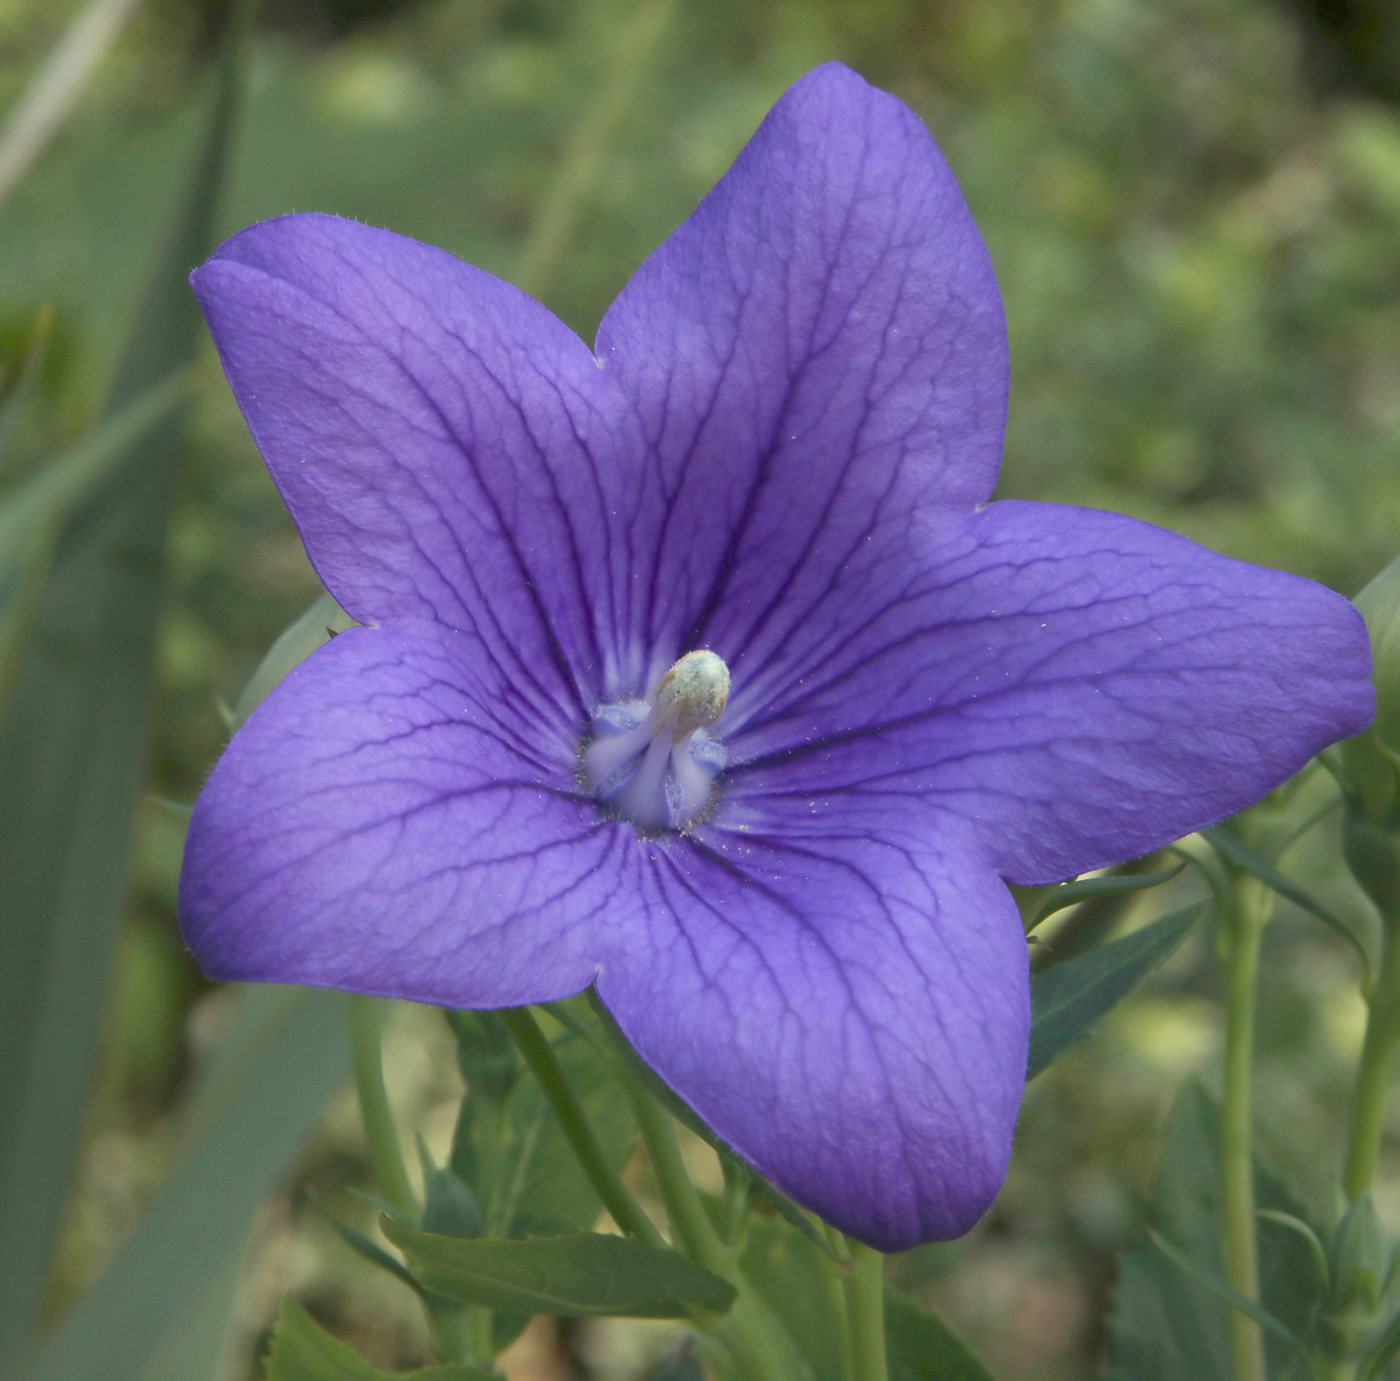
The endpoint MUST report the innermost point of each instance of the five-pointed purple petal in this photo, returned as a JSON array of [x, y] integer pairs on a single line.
[[779, 452]]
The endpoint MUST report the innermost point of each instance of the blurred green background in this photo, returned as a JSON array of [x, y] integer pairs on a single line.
[[1194, 211]]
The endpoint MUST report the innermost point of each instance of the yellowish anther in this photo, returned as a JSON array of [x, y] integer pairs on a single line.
[[692, 694]]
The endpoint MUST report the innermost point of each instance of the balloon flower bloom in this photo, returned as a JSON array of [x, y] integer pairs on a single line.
[[698, 666]]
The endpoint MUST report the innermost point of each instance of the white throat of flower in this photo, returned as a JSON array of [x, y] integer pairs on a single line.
[[652, 761]]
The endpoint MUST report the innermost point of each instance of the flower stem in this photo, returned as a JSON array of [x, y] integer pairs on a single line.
[[1373, 1076], [754, 1337], [865, 1310], [385, 1155], [1252, 904], [544, 1064]]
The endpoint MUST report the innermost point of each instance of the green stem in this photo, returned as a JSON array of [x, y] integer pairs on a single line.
[[1253, 903], [1373, 1076], [544, 1064], [385, 1154], [691, 1226], [753, 1336], [865, 1310]]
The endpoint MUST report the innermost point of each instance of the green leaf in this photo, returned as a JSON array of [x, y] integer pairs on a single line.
[[572, 1277], [315, 628], [370, 1250], [1164, 1325], [921, 1345], [21, 382], [1087, 889], [31, 516], [1232, 848], [304, 1351], [1228, 1293], [73, 750], [1383, 1350], [794, 1278], [1069, 999], [253, 1109]]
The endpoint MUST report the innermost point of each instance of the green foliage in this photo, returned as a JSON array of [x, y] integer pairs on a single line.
[[261, 1096], [1232, 848], [1067, 1001], [1090, 889], [1167, 1326], [303, 1351], [921, 1345], [72, 753], [573, 1276]]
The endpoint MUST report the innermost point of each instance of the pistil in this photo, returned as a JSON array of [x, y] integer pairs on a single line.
[[652, 762]]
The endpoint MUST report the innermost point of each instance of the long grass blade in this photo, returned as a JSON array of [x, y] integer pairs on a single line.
[[284, 1056], [72, 761], [55, 89]]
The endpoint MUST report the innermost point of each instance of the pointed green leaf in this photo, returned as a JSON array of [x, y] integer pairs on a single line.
[[1228, 1293], [304, 1351], [72, 758], [921, 1345], [1231, 847], [316, 627], [1069, 999], [370, 1250], [1087, 889], [1164, 1325], [575, 1276]]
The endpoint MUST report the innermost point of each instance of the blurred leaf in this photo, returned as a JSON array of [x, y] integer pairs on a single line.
[[1069, 999], [1228, 1294], [1087, 889], [1165, 1326], [72, 757], [792, 1276], [688, 1117], [315, 628], [370, 1250], [57, 86], [582, 1274], [920, 1345], [303, 1351], [450, 1207], [1385, 1348], [260, 1098], [30, 516], [684, 1369], [1231, 847], [20, 383]]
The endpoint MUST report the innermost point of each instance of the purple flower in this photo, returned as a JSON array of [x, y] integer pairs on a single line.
[[500, 789]]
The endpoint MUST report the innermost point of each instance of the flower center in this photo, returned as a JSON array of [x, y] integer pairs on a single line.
[[651, 761]]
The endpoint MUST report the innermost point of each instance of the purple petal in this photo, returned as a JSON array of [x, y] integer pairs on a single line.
[[1079, 686], [393, 820], [850, 1013], [845, 1000], [434, 433], [816, 356]]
